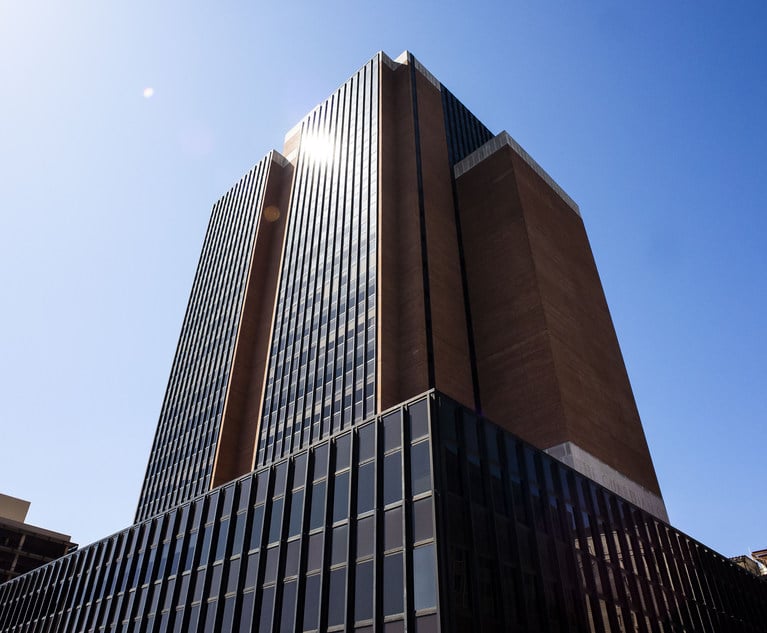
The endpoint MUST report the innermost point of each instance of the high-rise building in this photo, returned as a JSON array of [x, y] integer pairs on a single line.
[[397, 404]]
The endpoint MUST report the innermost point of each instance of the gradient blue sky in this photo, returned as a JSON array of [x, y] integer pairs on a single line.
[[650, 115]]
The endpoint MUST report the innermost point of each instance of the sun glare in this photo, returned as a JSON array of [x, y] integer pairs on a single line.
[[317, 147], [148, 92]]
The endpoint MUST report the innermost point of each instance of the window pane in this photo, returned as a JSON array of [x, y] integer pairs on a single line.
[[280, 475], [291, 558], [223, 534], [393, 529], [314, 556], [341, 497], [296, 513], [255, 530], [419, 419], [392, 478], [267, 609], [392, 581], [320, 462], [272, 559], [276, 521], [363, 594], [337, 597], [288, 607], [392, 424], [343, 447], [299, 470], [365, 537], [252, 571], [420, 468], [424, 577], [340, 541], [312, 602], [366, 488], [317, 518], [423, 526], [367, 442]]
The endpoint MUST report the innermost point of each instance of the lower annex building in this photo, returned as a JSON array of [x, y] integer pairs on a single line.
[[397, 404]]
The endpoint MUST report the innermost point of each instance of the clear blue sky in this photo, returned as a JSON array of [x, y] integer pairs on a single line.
[[650, 115]]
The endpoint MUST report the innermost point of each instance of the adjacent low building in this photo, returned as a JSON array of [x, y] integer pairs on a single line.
[[25, 547]]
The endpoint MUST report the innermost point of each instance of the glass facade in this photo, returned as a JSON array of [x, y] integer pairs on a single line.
[[427, 518], [181, 460], [321, 372]]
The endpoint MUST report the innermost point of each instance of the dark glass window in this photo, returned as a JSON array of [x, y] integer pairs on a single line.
[[272, 560], [246, 614], [420, 468], [320, 462], [276, 520], [341, 497], [363, 594], [419, 419], [311, 602], [393, 583], [340, 544], [267, 609], [280, 476], [392, 424], [223, 533], [296, 513], [233, 575], [367, 442], [299, 470], [392, 478], [314, 556], [343, 448], [263, 481], [366, 488], [423, 524], [288, 607], [365, 529], [393, 529], [291, 558], [337, 597], [317, 518], [255, 530], [424, 577]]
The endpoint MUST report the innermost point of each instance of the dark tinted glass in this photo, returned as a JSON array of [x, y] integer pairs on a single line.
[[366, 488], [317, 518], [365, 537], [299, 470], [343, 448], [393, 528], [423, 525], [267, 610], [280, 476], [340, 544], [272, 560], [424, 577], [275, 524], [341, 497], [255, 530], [252, 571], [314, 555], [394, 588], [363, 593], [296, 513], [288, 607], [420, 468], [291, 558], [367, 442], [392, 424], [419, 419], [392, 478], [311, 602], [320, 462], [337, 597]]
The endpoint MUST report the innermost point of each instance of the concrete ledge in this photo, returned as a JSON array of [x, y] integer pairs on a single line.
[[588, 465], [501, 140]]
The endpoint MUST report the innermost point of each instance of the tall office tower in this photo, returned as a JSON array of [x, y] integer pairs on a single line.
[[397, 404]]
